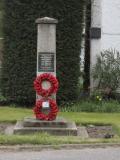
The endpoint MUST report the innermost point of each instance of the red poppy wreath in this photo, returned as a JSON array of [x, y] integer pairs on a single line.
[[51, 115], [46, 77]]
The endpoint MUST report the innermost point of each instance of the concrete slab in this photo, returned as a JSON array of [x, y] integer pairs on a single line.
[[9, 130], [24, 127], [82, 132], [59, 122]]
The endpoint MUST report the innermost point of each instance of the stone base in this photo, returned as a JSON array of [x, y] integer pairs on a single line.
[[59, 126]]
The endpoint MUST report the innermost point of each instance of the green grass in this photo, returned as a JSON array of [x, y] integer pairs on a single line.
[[93, 106], [93, 118], [46, 139], [8, 114]]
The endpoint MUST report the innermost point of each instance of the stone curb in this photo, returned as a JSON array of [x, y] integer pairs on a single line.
[[53, 147]]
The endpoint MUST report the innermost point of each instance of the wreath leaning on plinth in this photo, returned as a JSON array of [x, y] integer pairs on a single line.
[[53, 110]]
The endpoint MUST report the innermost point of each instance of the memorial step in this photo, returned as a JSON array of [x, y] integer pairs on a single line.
[[33, 122], [51, 127]]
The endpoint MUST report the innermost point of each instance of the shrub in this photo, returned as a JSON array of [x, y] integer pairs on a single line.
[[1, 13], [106, 72], [3, 100]]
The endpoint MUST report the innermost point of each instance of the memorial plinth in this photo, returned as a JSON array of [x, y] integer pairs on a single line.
[[60, 126]]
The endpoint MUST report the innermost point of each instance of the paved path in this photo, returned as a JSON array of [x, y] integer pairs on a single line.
[[83, 154]]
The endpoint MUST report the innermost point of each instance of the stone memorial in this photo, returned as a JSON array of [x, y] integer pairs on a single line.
[[46, 45], [46, 86]]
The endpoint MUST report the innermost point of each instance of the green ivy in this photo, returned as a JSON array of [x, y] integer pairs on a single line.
[[20, 31]]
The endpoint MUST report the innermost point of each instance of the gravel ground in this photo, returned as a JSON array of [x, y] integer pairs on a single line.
[[3, 127], [100, 131]]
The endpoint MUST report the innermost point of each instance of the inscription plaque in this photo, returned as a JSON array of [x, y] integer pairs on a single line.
[[46, 62]]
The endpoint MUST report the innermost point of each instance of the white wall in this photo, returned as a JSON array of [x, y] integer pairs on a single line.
[[105, 14], [110, 24]]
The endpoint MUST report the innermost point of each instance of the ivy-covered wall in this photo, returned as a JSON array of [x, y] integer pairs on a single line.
[[20, 31]]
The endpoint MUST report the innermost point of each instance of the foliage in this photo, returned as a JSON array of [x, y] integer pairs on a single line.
[[86, 75], [1, 15], [3, 100], [96, 95], [106, 71], [98, 104], [19, 64]]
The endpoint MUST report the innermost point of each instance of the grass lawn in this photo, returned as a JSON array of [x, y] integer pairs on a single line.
[[8, 114]]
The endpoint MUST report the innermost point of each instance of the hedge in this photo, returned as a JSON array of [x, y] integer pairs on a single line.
[[20, 31], [1, 18]]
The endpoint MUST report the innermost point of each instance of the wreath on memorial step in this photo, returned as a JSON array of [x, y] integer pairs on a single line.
[[42, 116], [46, 77]]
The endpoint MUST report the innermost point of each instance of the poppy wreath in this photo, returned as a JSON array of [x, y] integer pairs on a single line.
[[46, 77], [53, 110]]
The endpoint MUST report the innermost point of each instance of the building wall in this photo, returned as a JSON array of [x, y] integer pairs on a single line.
[[110, 24], [106, 15]]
